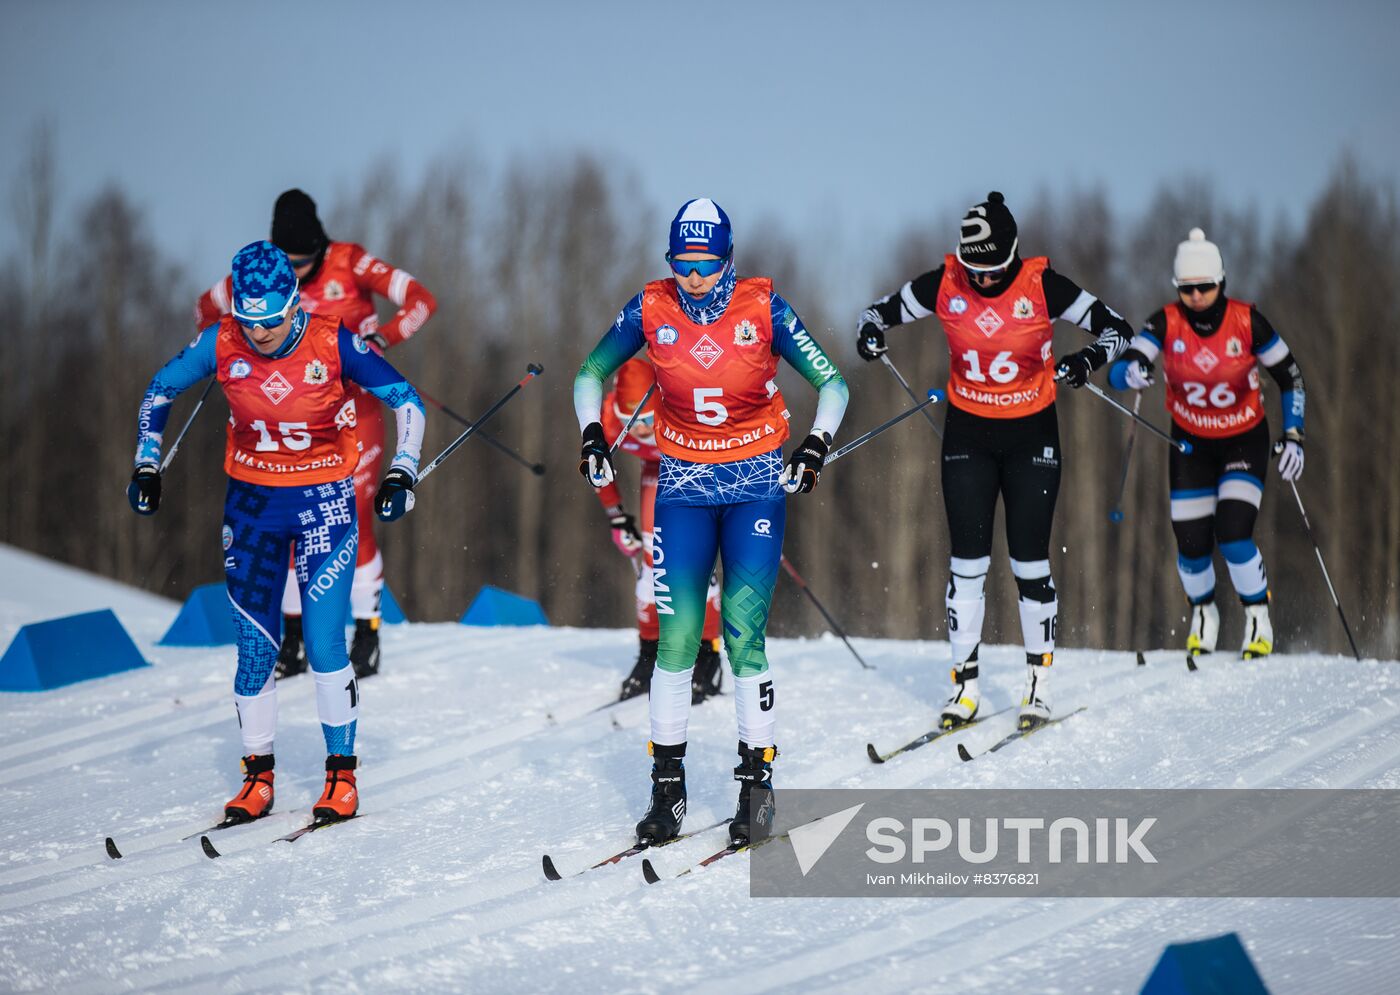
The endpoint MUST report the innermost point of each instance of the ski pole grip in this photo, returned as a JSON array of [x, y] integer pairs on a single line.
[[1185, 446], [935, 395]]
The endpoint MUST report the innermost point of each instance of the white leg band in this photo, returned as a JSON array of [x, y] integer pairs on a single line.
[[755, 707], [670, 706]]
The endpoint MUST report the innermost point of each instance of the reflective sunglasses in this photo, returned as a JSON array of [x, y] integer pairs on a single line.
[[270, 321], [299, 261], [705, 267], [1187, 289], [985, 277]]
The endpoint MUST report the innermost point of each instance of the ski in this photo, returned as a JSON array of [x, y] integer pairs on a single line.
[[1012, 737], [649, 871], [878, 758], [551, 873], [314, 825], [115, 853]]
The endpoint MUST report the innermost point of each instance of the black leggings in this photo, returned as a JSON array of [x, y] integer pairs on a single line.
[[1201, 471], [1018, 458]]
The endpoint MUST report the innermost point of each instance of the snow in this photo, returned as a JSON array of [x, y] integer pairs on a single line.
[[480, 753]]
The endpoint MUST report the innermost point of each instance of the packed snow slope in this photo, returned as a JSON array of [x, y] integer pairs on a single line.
[[480, 754]]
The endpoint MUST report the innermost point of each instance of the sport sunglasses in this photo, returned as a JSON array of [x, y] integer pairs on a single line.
[[705, 267], [271, 320]]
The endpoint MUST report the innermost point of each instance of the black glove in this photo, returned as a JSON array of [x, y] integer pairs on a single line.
[[595, 459], [804, 466], [144, 490], [395, 496], [870, 341], [1075, 368], [625, 534]]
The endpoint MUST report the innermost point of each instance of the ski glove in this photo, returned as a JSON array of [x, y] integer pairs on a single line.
[[1290, 455], [625, 535], [870, 341], [395, 497], [144, 490], [804, 466], [1075, 368], [595, 459], [1139, 375]]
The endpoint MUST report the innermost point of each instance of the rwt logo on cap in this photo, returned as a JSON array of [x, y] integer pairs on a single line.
[[701, 226], [254, 305]]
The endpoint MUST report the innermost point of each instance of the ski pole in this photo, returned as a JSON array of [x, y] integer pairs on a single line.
[[934, 396], [889, 364], [797, 579], [636, 412], [1116, 515], [1179, 444], [536, 468], [175, 447], [1325, 576], [531, 371]]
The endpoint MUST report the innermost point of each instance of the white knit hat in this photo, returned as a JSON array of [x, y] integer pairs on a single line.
[[1197, 259]]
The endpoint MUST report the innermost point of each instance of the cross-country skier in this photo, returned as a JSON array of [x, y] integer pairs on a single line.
[[714, 340], [1211, 346], [1001, 434], [291, 451], [340, 279], [634, 378]]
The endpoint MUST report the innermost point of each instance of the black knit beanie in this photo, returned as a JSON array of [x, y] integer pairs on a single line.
[[295, 228], [988, 234]]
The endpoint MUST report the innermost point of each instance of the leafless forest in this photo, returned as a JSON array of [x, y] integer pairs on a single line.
[[93, 306]]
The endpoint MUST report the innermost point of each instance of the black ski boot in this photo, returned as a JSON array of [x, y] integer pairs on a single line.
[[755, 770], [364, 648], [291, 658], [707, 678], [663, 819], [639, 681]]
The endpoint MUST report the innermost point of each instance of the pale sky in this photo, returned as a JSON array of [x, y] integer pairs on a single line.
[[846, 121]]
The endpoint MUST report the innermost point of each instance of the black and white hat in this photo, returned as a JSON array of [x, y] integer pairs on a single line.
[[989, 237]]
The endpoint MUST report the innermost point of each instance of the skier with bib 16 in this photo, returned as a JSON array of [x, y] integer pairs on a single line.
[[1211, 347], [290, 456], [715, 341], [1001, 435]]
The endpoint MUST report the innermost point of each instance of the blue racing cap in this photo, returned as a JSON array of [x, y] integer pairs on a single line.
[[265, 288]]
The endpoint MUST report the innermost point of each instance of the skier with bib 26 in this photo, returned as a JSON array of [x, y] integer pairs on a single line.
[[1211, 347], [714, 340]]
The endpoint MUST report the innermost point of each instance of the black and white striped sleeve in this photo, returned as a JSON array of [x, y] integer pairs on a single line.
[[914, 300], [1066, 300]]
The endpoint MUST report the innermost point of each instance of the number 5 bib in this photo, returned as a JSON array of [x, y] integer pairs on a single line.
[[1000, 364], [719, 399], [291, 421]]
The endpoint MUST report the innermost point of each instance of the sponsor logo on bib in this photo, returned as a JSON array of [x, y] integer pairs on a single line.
[[276, 387], [706, 352]]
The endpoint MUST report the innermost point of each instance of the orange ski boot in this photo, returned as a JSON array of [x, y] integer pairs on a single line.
[[255, 800], [340, 800]]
